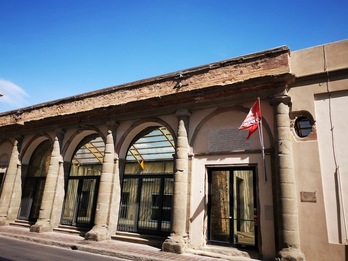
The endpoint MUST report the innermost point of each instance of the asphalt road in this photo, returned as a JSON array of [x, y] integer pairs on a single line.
[[17, 250]]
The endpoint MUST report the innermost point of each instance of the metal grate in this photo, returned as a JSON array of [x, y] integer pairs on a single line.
[[80, 201], [146, 205], [147, 190]]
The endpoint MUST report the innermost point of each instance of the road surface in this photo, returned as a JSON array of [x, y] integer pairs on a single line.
[[17, 250]]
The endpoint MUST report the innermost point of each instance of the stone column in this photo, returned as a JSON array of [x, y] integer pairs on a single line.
[[12, 190], [100, 230], [115, 198], [288, 224], [177, 241], [116, 185], [53, 194]]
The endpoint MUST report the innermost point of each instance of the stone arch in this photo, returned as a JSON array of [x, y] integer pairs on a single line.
[[35, 164], [221, 110], [6, 146], [31, 145], [135, 129], [3, 141], [147, 177], [82, 171], [71, 144]]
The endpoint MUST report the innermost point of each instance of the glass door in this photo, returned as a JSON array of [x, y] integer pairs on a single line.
[[232, 207], [35, 182], [31, 199], [146, 204], [80, 201]]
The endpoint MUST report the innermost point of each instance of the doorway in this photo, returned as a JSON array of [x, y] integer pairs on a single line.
[[148, 183], [232, 207], [146, 204], [83, 183], [80, 201], [35, 182]]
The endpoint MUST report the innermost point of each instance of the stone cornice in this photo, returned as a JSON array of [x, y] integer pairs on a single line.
[[209, 79]]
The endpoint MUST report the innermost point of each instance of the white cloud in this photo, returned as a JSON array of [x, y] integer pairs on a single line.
[[14, 97]]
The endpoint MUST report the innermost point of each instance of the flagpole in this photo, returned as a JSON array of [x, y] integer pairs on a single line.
[[252, 122], [262, 143]]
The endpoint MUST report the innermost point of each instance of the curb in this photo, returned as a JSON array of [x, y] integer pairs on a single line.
[[83, 248]]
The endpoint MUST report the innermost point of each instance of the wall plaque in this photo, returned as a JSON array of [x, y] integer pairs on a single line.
[[308, 196], [227, 140]]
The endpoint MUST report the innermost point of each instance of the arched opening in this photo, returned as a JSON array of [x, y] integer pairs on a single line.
[[5, 154], [147, 186], [83, 182], [35, 182]]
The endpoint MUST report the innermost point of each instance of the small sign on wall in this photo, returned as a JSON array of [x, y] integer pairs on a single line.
[[308, 196]]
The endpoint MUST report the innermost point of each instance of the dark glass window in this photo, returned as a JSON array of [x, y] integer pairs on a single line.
[[303, 126], [167, 207]]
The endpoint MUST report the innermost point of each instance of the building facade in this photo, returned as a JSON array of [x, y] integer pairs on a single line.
[[165, 157]]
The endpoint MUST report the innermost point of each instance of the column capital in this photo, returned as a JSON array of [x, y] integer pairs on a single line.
[[60, 132], [18, 142], [183, 113], [112, 124], [112, 129], [281, 98]]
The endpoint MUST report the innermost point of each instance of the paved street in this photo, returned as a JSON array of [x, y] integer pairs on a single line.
[[18, 250], [109, 248]]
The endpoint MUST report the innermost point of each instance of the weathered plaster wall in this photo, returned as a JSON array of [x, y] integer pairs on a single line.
[[206, 153], [322, 73], [162, 89]]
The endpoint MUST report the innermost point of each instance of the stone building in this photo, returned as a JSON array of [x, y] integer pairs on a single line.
[[164, 158]]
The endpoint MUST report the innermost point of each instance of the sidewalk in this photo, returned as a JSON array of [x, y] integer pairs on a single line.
[[131, 251]]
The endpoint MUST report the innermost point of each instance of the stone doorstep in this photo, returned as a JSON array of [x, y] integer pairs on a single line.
[[220, 252], [226, 253], [78, 231], [155, 241], [21, 223]]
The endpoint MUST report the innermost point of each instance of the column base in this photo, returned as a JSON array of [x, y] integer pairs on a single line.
[[291, 254], [98, 234], [3, 221], [41, 227], [174, 244]]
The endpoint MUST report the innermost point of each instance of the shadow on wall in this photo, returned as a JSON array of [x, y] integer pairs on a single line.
[[199, 209]]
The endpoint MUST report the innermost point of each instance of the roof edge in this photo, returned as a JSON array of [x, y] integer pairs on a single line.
[[163, 77]]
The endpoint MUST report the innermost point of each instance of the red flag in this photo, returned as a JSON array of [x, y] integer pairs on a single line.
[[253, 118]]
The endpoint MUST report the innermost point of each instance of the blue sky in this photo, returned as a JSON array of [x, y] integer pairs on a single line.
[[55, 49]]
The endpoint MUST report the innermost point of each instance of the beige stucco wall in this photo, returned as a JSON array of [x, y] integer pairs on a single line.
[[333, 152], [321, 90], [314, 60], [208, 152]]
